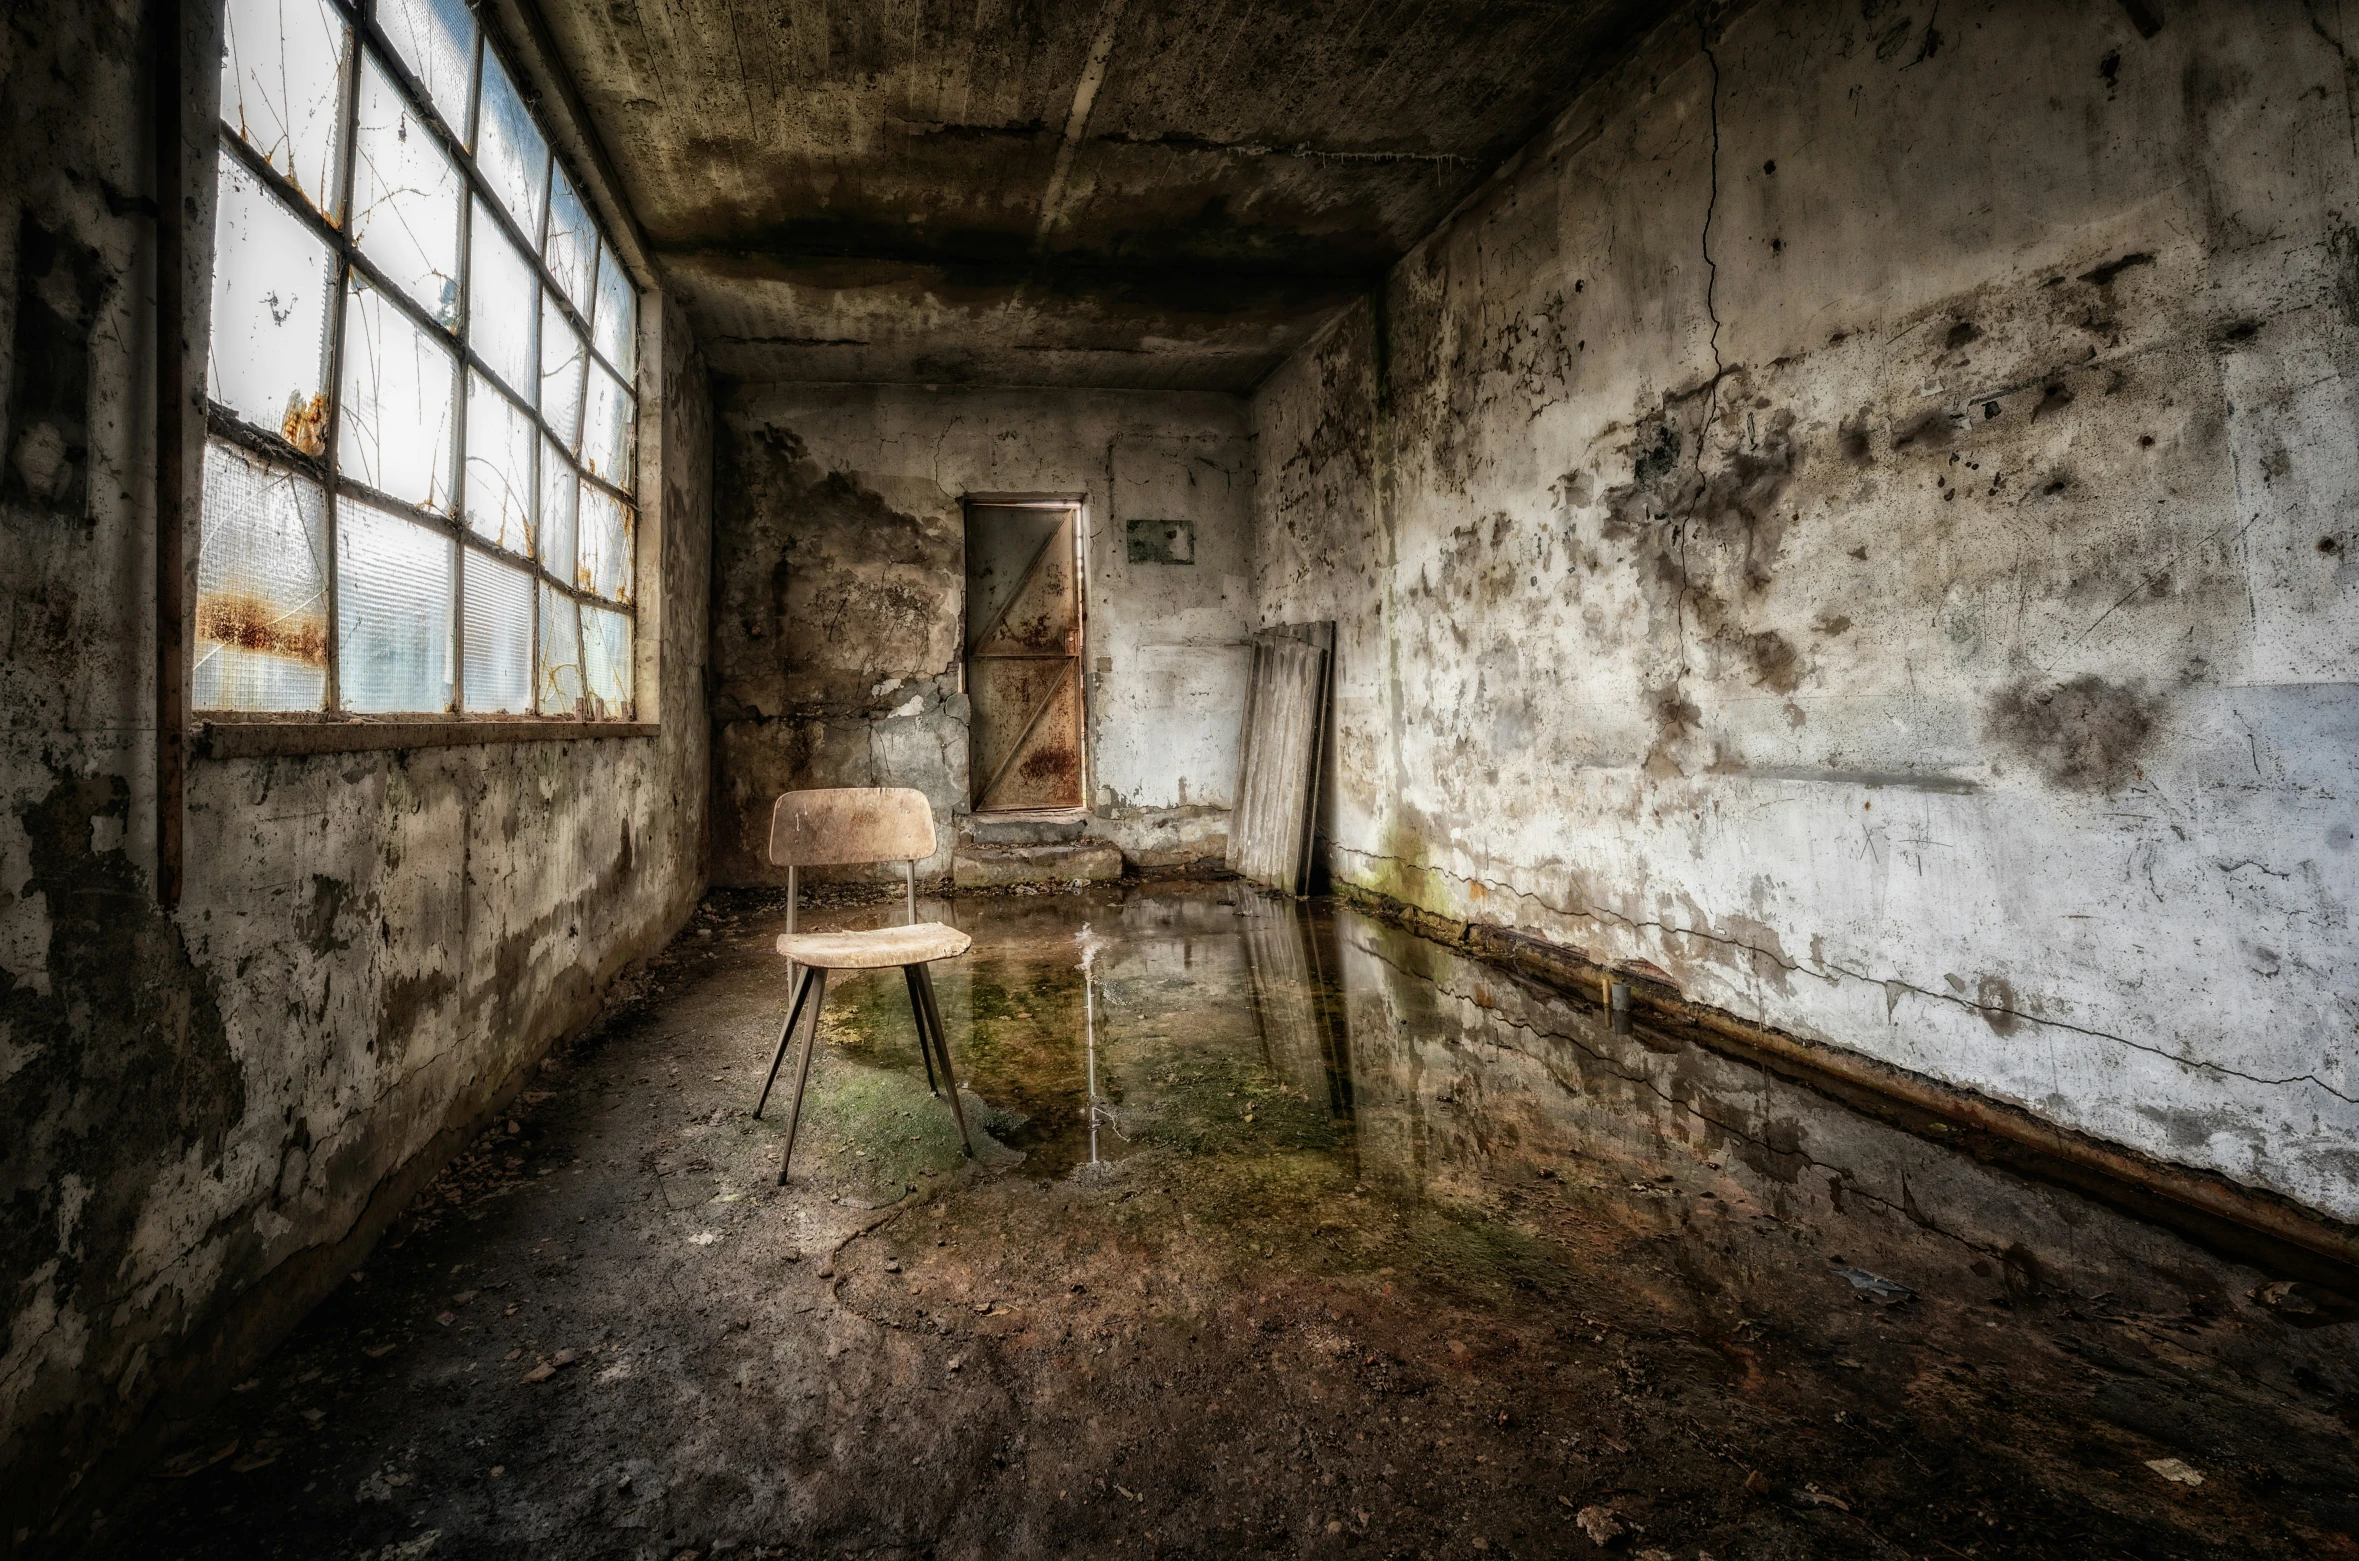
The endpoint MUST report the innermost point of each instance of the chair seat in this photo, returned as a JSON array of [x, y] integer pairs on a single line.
[[876, 950]]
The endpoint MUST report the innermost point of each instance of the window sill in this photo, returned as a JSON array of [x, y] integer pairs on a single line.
[[249, 739]]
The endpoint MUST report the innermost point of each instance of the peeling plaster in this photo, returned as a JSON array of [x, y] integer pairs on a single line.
[[1741, 546]]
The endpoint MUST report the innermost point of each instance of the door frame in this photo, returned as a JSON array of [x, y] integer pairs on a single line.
[[1078, 503]]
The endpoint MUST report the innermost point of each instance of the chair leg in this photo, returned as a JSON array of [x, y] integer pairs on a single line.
[[917, 1010], [925, 985], [785, 1034], [794, 1111]]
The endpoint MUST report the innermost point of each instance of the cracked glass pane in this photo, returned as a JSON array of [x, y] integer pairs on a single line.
[[262, 592], [501, 290], [561, 654], [606, 662], [282, 87], [498, 636], [399, 394], [572, 242], [500, 438], [618, 314], [562, 358], [559, 488], [405, 197], [605, 545], [393, 611], [606, 430], [272, 277], [510, 149], [436, 39]]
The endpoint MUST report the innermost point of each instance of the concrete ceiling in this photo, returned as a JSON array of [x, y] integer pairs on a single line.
[[1118, 193]]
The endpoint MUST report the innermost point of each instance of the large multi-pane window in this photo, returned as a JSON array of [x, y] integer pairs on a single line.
[[418, 480]]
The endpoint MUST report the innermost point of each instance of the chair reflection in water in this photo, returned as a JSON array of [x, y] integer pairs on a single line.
[[852, 826]]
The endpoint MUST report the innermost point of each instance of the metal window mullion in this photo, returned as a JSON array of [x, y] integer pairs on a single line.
[[621, 495], [460, 151], [224, 425], [364, 40], [378, 498], [351, 257], [540, 445], [348, 116], [466, 388]]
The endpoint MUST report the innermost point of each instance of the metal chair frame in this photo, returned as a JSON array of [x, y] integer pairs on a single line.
[[933, 1040]]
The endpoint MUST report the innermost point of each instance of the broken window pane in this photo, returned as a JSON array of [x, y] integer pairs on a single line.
[[271, 281], [405, 197], [618, 314], [436, 39], [605, 544], [399, 389], [262, 592], [562, 358], [421, 618], [606, 430], [561, 654], [501, 290], [573, 243], [606, 662], [282, 88], [510, 149], [500, 439], [393, 618], [559, 487], [498, 635]]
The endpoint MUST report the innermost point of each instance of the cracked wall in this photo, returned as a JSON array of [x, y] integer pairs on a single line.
[[1855, 524], [206, 1116], [839, 599]]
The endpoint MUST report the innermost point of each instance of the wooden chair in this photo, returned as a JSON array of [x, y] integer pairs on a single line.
[[843, 827]]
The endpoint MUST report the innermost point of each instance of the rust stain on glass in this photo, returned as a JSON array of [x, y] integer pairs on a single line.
[[388, 299], [250, 622], [306, 424], [262, 601]]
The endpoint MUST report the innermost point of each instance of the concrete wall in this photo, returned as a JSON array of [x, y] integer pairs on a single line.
[[1858, 521], [840, 588], [207, 1116]]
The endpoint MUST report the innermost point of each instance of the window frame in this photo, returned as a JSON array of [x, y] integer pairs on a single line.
[[233, 732]]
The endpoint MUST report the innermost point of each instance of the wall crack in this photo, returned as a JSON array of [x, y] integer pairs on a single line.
[[1833, 974]]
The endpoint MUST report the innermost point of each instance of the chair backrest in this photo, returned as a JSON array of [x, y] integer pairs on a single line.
[[851, 824]]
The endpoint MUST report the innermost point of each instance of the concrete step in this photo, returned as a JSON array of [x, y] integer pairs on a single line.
[[976, 866], [1038, 827]]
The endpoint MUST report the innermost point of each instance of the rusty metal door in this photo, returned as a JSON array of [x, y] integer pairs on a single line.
[[1024, 656]]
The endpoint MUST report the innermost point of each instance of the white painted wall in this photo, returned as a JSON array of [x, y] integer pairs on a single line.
[[1861, 524]]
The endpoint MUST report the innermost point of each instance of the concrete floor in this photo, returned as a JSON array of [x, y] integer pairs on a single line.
[[1378, 1250]]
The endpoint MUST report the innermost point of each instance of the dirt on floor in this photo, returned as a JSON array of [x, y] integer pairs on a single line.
[[1288, 1232]]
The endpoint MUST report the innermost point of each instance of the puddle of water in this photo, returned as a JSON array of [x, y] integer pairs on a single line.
[[1476, 1127]]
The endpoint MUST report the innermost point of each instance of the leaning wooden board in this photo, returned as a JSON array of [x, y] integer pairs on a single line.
[[1271, 828]]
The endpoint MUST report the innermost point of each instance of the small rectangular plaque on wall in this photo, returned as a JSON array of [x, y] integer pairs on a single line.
[[1161, 541]]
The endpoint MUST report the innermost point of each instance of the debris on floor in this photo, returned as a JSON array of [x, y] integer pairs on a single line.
[[1394, 1251]]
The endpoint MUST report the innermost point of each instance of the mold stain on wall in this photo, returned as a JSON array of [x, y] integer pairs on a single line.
[[208, 1114], [1879, 624], [840, 620]]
